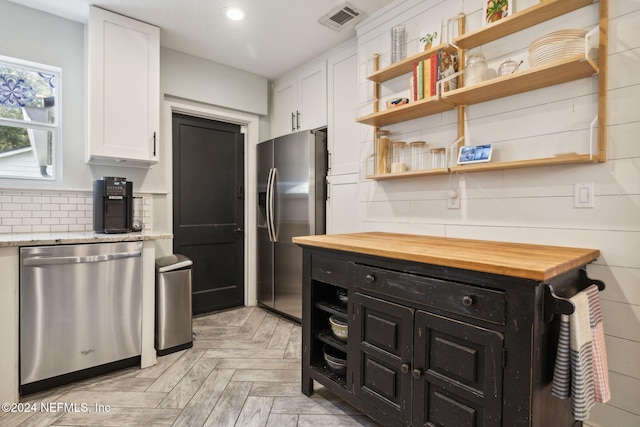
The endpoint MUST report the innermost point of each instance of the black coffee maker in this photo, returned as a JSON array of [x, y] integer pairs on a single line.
[[112, 205]]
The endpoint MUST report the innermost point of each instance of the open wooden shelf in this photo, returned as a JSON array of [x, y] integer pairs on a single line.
[[327, 337], [410, 174], [402, 113], [519, 21], [332, 308], [563, 71], [406, 65], [518, 164]]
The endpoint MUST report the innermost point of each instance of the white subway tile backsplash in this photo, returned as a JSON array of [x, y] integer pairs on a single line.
[[53, 211]]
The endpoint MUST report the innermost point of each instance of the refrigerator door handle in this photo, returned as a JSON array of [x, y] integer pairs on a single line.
[[268, 207], [271, 205]]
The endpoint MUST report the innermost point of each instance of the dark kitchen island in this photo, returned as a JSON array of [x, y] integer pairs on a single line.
[[441, 331]]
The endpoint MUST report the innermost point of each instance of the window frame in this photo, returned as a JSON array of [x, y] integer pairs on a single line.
[[55, 128]]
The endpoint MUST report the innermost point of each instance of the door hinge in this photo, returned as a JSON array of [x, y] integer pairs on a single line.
[[239, 192]]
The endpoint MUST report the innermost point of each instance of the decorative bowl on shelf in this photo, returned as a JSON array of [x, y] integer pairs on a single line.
[[339, 327], [336, 359]]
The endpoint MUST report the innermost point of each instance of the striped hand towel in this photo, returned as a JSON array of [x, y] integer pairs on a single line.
[[600, 368], [573, 373]]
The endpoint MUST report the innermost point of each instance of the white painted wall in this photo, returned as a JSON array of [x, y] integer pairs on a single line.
[[530, 205]]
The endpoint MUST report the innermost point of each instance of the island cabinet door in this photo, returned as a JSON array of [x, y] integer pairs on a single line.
[[382, 342], [459, 373]]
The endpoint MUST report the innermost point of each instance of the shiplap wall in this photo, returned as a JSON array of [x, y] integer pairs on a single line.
[[533, 205]]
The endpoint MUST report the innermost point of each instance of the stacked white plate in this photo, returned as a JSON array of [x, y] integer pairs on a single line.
[[556, 46]]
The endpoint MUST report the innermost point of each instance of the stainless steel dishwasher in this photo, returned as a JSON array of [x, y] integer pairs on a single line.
[[80, 311]]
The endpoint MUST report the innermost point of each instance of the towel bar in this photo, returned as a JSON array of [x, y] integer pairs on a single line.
[[554, 304]]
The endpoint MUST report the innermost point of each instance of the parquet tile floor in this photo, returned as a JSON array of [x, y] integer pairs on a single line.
[[243, 370]]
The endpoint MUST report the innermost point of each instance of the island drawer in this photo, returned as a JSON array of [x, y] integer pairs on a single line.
[[330, 270], [467, 300]]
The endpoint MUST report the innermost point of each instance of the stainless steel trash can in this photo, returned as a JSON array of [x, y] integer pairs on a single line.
[[174, 329]]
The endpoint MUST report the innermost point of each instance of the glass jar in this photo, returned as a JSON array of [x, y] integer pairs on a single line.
[[381, 152], [507, 67], [398, 153], [438, 158], [476, 70], [418, 155], [398, 44]]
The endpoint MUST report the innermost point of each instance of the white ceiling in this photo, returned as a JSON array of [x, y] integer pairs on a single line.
[[275, 37]]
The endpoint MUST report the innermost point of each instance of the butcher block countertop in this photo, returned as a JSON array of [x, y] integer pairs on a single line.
[[536, 262]]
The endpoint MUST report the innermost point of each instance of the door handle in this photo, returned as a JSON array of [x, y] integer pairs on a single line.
[[37, 261], [237, 230], [293, 122], [298, 119]]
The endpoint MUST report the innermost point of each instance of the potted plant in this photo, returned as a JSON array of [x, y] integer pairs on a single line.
[[496, 9], [428, 40]]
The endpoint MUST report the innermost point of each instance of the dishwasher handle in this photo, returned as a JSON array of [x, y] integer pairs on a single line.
[[44, 260]]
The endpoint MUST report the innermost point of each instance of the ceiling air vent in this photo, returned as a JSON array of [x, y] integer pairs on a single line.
[[338, 17]]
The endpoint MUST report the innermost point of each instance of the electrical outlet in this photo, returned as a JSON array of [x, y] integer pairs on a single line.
[[453, 200]]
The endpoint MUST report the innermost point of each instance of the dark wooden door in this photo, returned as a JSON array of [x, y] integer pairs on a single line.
[[461, 366], [383, 344], [208, 209]]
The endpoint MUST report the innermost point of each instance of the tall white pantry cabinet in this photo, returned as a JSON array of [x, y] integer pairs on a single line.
[[124, 90]]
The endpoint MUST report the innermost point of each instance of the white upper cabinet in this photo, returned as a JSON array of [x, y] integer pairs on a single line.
[[124, 90], [300, 101]]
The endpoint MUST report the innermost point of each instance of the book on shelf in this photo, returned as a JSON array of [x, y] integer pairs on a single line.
[[447, 65], [428, 72], [417, 88]]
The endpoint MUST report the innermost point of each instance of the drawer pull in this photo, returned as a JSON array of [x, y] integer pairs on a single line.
[[467, 301], [370, 278], [404, 368], [417, 373]]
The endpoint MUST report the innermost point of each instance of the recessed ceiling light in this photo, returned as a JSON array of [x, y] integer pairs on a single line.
[[235, 14]]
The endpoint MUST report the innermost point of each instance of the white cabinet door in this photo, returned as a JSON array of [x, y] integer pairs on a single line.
[[343, 130], [300, 101], [342, 204], [124, 90], [312, 97], [284, 107]]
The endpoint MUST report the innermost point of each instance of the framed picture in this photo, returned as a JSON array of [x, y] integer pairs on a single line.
[[494, 10]]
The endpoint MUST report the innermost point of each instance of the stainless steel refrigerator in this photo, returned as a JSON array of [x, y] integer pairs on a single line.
[[291, 202]]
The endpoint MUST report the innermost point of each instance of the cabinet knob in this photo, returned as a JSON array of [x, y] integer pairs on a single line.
[[416, 373], [370, 278], [404, 368], [467, 301]]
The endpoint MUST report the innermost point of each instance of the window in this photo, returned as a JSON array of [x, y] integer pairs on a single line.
[[29, 119]]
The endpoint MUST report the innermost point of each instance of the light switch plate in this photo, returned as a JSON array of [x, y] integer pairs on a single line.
[[583, 195]]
